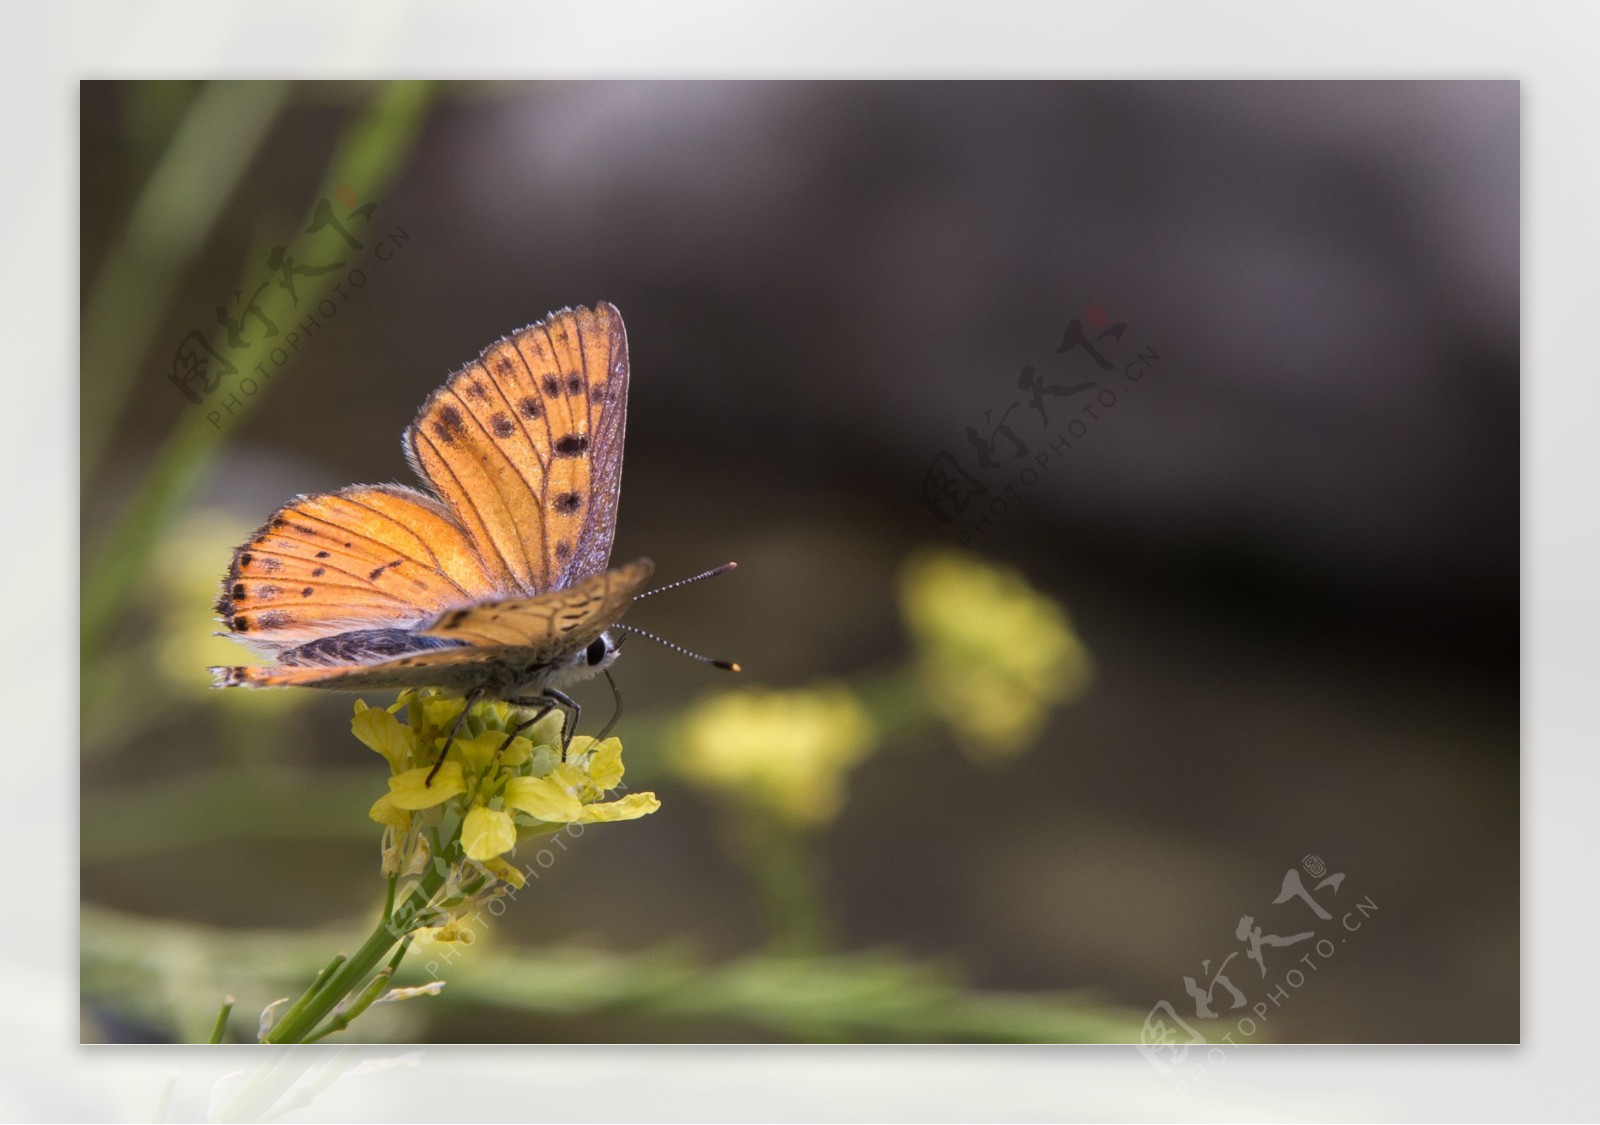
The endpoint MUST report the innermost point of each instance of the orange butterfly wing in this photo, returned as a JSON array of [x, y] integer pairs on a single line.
[[547, 625], [532, 631], [524, 445], [367, 556]]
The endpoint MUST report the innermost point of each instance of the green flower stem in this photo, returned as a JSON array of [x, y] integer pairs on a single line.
[[316, 985], [296, 1025], [344, 1016], [399, 954]]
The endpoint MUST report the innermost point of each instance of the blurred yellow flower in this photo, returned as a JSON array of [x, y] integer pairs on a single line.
[[788, 751], [994, 654], [493, 796]]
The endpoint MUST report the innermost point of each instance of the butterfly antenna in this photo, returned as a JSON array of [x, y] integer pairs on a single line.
[[712, 573], [725, 665]]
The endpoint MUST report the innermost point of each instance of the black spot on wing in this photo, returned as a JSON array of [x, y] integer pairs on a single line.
[[374, 576], [449, 425], [572, 445], [552, 386], [568, 502], [503, 426], [529, 407]]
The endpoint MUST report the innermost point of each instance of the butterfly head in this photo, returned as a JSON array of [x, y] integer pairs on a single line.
[[594, 658]]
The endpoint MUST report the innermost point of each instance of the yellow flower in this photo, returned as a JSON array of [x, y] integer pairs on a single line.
[[788, 751], [994, 654], [488, 793]]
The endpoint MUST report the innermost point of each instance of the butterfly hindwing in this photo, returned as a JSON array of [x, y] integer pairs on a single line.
[[459, 670], [518, 633], [553, 624], [524, 445]]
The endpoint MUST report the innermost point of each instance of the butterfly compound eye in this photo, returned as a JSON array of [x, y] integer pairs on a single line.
[[596, 652]]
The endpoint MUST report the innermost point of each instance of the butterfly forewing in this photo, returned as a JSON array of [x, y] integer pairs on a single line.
[[362, 557], [524, 445]]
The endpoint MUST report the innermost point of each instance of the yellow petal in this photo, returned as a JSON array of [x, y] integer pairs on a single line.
[[384, 733], [543, 798], [518, 752], [440, 713], [411, 791], [605, 768], [569, 777], [385, 811], [487, 833], [479, 752], [631, 807]]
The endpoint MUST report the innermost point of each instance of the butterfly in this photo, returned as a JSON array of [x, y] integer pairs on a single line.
[[490, 583]]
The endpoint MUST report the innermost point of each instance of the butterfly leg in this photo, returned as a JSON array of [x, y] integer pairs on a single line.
[[549, 706], [455, 727], [551, 699], [573, 712]]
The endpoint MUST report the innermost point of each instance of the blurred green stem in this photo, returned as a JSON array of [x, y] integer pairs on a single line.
[[221, 1026], [174, 215], [781, 860], [367, 158]]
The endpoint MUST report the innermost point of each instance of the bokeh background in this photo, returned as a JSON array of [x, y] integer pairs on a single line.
[[1285, 560]]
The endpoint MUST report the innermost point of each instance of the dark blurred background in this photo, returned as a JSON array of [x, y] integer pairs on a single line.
[[1291, 548]]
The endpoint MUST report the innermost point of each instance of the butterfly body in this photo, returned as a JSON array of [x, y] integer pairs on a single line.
[[491, 583]]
